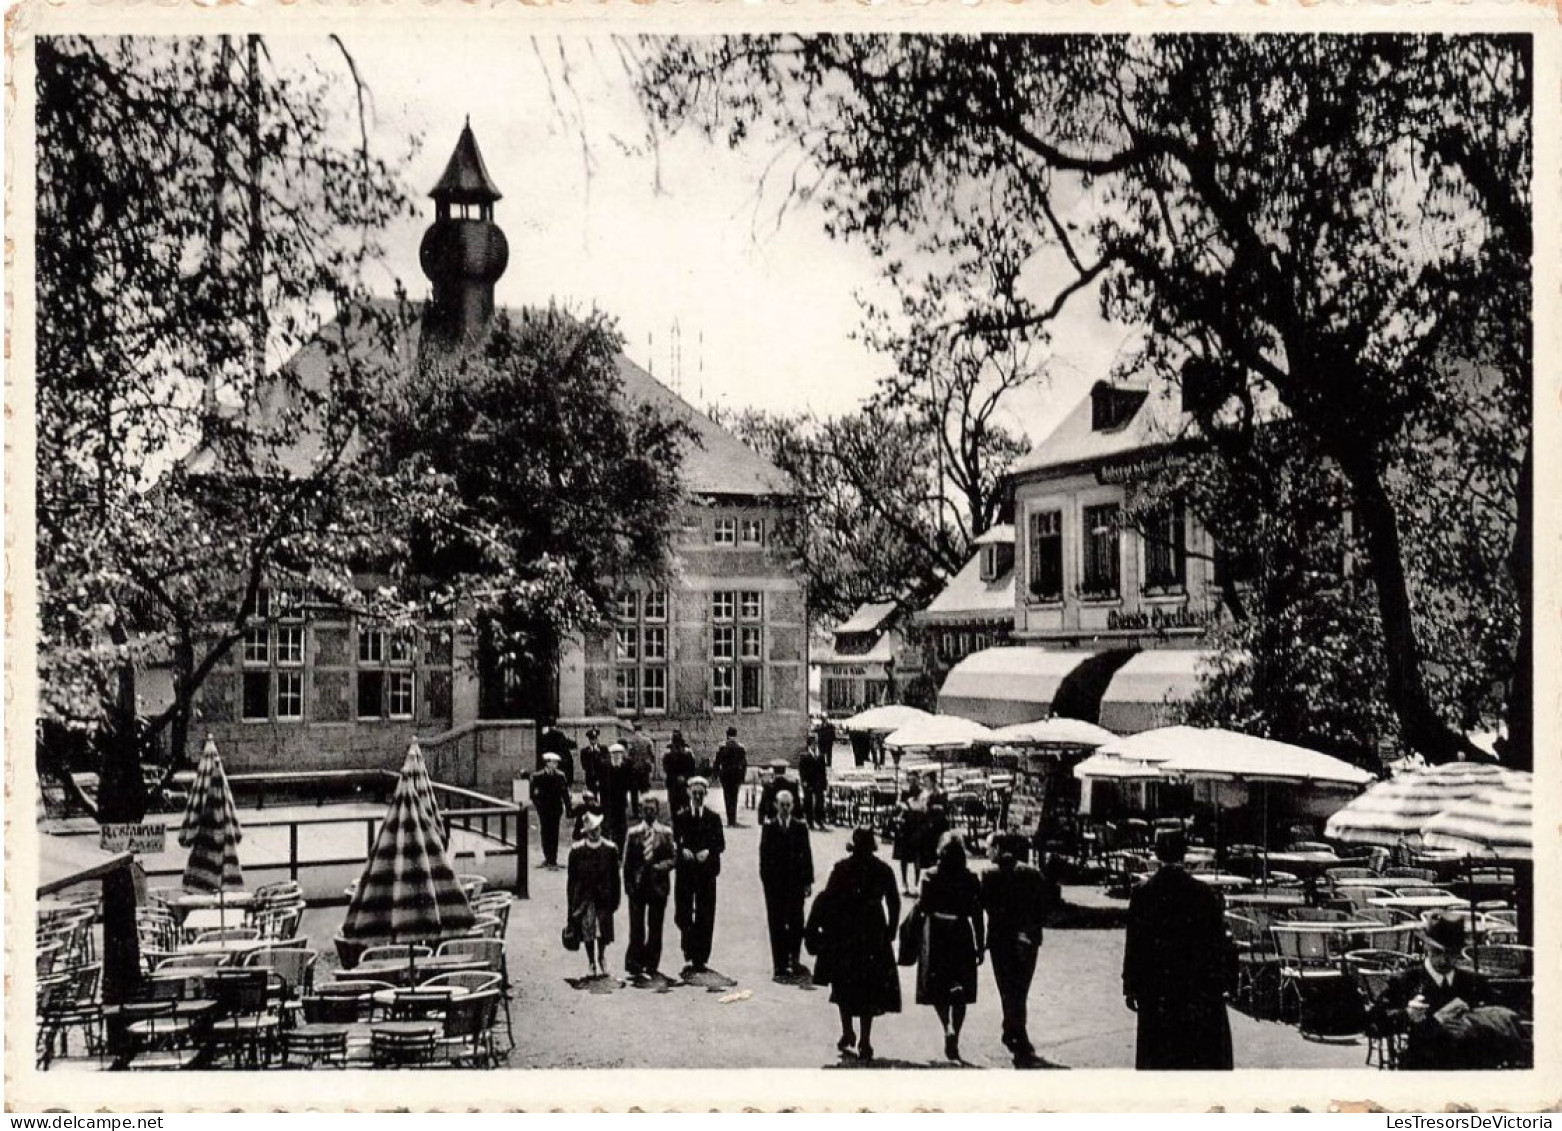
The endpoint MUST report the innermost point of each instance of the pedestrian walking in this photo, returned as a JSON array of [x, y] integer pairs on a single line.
[[910, 821], [678, 767], [552, 740], [731, 769], [701, 842], [826, 736], [642, 756], [593, 762], [813, 772], [786, 872], [1016, 898], [778, 783], [589, 806], [550, 797], [862, 746], [950, 908], [649, 857], [850, 932], [1176, 960], [593, 892], [618, 793]]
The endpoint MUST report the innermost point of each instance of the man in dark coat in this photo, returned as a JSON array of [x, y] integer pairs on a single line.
[[649, 858], [618, 793], [700, 842], [550, 797], [826, 739], [778, 783], [642, 757], [555, 741], [862, 746], [1422, 1004], [678, 767], [813, 772], [786, 871], [1175, 967], [731, 769], [593, 762], [1016, 898]]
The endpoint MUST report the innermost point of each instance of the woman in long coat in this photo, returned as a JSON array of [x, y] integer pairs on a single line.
[[851, 930], [950, 907], [593, 891], [911, 818]]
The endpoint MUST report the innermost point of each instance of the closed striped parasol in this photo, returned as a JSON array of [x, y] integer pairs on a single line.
[[1498, 821], [416, 769], [1402, 806], [408, 890], [211, 828]]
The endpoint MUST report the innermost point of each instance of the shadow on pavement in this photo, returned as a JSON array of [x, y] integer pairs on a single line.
[[710, 981], [596, 983]]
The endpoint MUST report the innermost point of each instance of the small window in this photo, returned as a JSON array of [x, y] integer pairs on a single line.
[[752, 532], [654, 695], [628, 606], [403, 694], [257, 645], [1101, 570], [371, 646], [371, 694], [726, 532], [721, 689], [752, 643], [989, 566], [290, 695], [656, 605], [624, 689], [655, 644], [626, 644], [752, 605], [753, 698], [257, 696], [290, 644], [723, 605], [721, 644]]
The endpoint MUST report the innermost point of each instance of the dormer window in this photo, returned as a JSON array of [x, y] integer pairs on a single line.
[[1112, 406], [989, 563]]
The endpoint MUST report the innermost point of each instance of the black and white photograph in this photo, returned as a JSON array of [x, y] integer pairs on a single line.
[[976, 556]]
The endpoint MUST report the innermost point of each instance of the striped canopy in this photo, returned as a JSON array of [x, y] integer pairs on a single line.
[[408, 890], [1403, 806], [416, 769], [211, 828], [1498, 821]]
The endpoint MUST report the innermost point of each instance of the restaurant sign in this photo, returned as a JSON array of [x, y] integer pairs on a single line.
[[1157, 619], [145, 840], [1136, 471]]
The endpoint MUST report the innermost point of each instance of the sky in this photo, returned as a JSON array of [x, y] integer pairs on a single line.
[[684, 234]]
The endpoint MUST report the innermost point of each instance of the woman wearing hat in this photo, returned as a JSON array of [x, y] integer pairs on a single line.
[[952, 940], [593, 891], [850, 931]]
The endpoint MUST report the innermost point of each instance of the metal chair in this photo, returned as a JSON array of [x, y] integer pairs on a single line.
[[228, 934], [74, 1004], [395, 952], [469, 1024], [399, 1048], [1309, 964], [1370, 972], [244, 1025], [310, 1045], [473, 981], [491, 952]]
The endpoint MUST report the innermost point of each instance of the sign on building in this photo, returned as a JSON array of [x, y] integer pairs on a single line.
[[144, 840]]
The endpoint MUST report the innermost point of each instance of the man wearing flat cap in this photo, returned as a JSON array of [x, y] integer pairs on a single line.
[[700, 842], [778, 783], [593, 762], [619, 798], [550, 797], [1016, 898], [1175, 967], [1440, 1009]]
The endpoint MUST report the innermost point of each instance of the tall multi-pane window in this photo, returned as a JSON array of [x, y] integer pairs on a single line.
[[721, 693], [640, 653], [1046, 556], [272, 656], [751, 650], [387, 683], [1101, 574], [1165, 551]]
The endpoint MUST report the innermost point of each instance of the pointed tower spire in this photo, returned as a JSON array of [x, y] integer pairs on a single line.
[[464, 252]]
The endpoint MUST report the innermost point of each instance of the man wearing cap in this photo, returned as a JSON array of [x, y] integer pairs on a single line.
[[786, 871], [701, 842], [618, 792], [678, 767], [593, 762], [1175, 967], [1016, 898], [1423, 1004], [550, 797], [777, 784], [649, 858], [731, 769]]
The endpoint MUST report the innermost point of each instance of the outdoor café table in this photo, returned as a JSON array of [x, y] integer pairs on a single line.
[[1302, 862], [1392, 883], [199, 901], [227, 948], [1416, 902], [211, 919], [1265, 899], [387, 998], [1222, 880]]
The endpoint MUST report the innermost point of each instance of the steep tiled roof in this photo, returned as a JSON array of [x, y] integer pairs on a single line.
[[867, 618], [1159, 421], [465, 179], [717, 463], [967, 594]]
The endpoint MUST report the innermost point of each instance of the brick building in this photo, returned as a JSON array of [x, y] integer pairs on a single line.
[[312, 689]]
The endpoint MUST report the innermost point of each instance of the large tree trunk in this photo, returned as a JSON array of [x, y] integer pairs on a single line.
[[1420, 725]]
